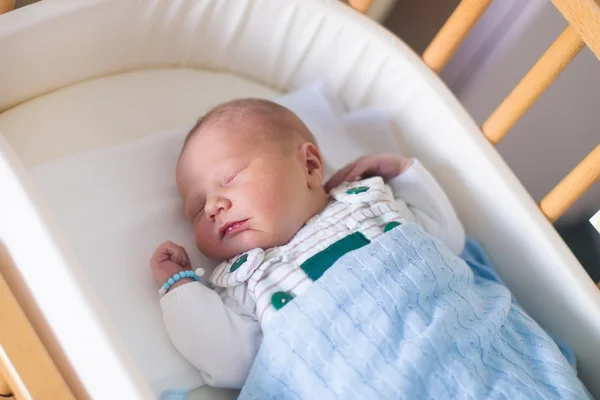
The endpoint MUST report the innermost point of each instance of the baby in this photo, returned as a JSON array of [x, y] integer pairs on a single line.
[[251, 178]]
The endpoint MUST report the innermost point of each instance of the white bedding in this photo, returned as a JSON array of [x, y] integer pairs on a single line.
[[116, 204], [276, 46]]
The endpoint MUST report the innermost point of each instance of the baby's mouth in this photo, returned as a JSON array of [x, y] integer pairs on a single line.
[[231, 228]]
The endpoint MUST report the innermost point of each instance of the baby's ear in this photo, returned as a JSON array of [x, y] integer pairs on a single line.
[[313, 162]]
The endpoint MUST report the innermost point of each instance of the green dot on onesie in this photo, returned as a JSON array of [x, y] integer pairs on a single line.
[[238, 263], [391, 225], [280, 299], [357, 190]]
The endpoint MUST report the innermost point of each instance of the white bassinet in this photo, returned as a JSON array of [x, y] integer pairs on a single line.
[[262, 47]]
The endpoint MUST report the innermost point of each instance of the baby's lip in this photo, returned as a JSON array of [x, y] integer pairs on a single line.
[[232, 227]]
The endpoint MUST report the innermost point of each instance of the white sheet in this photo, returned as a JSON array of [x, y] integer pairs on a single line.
[[117, 204]]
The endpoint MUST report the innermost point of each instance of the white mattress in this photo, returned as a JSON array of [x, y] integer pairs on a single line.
[[116, 203], [277, 46]]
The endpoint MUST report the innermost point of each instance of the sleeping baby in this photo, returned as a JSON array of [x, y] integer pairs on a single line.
[[251, 178]]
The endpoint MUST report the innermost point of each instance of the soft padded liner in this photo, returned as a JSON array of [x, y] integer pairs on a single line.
[[117, 204], [277, 46]]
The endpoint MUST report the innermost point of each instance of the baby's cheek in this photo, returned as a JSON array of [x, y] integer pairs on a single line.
[[283, 212], [204, 238], [272, 202], [275, 205], [265, 199]]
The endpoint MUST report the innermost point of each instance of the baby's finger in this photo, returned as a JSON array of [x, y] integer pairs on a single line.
[[339, 176], [182, 257], [161, 253], [361, 168], [176, 254]]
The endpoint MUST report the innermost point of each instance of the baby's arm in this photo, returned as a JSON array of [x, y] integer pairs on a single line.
[[220, 341], [417, 193], [214, 338]]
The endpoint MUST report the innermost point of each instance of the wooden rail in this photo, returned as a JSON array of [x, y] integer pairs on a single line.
[[6, 6], [573, 186], [361, 5], [26, 368], [544, 72], [584, 17], [455, 30]]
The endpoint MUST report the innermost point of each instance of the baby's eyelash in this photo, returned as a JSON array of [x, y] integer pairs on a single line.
[[199, 212], [234, 175], [231, 177]]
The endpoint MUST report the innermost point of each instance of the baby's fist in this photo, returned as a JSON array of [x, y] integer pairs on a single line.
[[388, 166], [167, 260]]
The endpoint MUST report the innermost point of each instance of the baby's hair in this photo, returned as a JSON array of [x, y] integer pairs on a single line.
[[277, 118]]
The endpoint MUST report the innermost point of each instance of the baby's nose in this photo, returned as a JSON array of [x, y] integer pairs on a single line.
[[215, 205]]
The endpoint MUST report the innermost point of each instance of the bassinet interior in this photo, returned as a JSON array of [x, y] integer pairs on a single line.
[[261, 47]]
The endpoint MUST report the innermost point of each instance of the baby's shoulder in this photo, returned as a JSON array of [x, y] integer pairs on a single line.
[[370, 190]]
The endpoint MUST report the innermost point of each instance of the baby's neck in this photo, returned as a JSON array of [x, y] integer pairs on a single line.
[[320, 201]]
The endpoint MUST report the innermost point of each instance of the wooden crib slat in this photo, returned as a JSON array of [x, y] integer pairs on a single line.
[[573, 186], [25, 363], [7, 5], [361, 5], [5, 390], [584, 17], [527, 91], [454, 31]]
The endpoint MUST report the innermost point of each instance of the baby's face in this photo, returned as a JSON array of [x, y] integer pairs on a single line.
[[243, 191]]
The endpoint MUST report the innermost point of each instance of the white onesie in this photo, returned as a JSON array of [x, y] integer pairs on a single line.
[[219, 331]]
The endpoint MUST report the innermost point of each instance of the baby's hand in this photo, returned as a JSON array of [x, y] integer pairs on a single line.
[[388, 166], [167, 260]]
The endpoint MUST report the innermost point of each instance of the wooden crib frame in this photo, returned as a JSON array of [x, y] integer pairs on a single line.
[[6, 5], [38, 374], [583, 29]]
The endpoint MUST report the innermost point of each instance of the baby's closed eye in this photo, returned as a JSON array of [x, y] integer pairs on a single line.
[[197, 209], [231, 176], [199, 213]]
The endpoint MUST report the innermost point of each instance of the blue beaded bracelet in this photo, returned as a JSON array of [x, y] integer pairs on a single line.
[[180, 275]]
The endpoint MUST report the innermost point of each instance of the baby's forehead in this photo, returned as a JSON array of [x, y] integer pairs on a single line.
[[245, 135], [248, 125], [208, 151], [256, 118]]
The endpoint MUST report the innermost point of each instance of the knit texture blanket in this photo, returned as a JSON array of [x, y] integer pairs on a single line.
[[403, 317]]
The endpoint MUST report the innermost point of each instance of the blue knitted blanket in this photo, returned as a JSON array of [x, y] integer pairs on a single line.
[[405, 318]]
